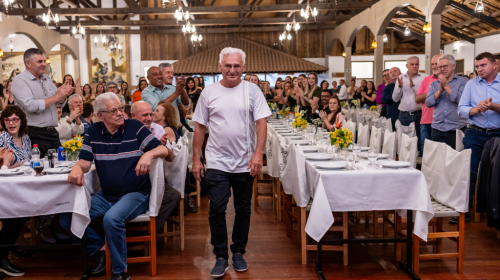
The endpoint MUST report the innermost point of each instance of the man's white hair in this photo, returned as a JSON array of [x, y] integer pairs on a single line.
[[230, 50], [99, 101], [449, 57], [412, 57], [73, 96]]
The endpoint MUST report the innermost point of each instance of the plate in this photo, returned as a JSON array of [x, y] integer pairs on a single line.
[[289, 134], [279, 126], [365, 155], [62, 170], [310, 149], [331, 165], [297, 137], [393, 163], [301, 142], [283, 130], [362, 149], [11, 172], [319, 156]]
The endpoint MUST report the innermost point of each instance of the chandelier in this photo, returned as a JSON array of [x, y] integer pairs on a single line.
[[426, 29], [308, 12], [6, 4], [294, 25], [47, 18], [374, 44], [479, 7], [407, 31], [180, 15], [78, 30], [101, 37], [285, 35], [164, 3], [116, 47], [385, 39], [188, 28], [196, 39], [11, 45]]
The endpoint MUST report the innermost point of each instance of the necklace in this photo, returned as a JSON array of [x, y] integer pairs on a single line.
[[16, 140]]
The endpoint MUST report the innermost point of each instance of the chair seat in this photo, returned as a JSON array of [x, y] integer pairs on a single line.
[[308, 207], [441, 210], [140, 218], [264, 170]]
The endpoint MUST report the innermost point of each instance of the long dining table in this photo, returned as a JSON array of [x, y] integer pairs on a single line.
[[362, 188]]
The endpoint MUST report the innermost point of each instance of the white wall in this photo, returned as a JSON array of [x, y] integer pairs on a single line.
[[84, 64], [464, 50], [488, 44], [69, 65], [135, 59], [20, 42]]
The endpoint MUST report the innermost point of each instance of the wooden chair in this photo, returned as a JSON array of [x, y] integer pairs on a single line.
[[278, 199], [256, 196], [174, 226]]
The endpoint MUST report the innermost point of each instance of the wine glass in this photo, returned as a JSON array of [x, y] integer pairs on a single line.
[[334, 151], [350, 161], [372, 156]]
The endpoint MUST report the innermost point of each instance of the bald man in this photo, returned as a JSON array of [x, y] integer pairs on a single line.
[[392, 111], [426, 120]]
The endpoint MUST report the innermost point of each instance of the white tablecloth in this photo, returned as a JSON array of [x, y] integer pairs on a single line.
[[28, 196], [366, 189]]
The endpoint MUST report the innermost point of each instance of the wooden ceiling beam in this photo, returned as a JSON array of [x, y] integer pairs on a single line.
[[482, 17], [401, 29], [192, 10]]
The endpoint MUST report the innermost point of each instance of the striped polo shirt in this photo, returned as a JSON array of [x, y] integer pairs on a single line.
[[116, 157]]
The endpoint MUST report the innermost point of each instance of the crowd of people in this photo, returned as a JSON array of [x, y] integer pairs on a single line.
[[137, 126]]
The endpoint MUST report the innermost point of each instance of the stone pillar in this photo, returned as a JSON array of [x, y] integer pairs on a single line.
[[347, 65], [378, 65], [77, 68], [432, 41], [1, 70]]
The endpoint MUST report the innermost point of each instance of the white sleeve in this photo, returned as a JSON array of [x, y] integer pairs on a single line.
[[398, 92], [201, 113], [77, 129], [64, 129], [343, 93]]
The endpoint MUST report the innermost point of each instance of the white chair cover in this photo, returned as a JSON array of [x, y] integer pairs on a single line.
[[363, 135], [273, 154], [293, 178], [188, 136], [447, 173], [352, 127], [175, 171], [389, 146], [156, 175], [376, 139], [401, 129], [408, 149], [388, 124], [459, 146]]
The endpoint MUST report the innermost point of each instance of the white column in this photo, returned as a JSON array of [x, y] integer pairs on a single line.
[[432, 41], [378, 64], [347, 65]]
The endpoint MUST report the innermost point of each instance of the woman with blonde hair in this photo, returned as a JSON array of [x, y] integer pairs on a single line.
[[292, 95], [312, 94]]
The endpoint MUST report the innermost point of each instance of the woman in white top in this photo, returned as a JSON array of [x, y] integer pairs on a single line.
[[71, 125], [334, 120]]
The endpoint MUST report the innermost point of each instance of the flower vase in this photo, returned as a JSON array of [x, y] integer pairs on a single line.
[[344, 151], [72, 155]]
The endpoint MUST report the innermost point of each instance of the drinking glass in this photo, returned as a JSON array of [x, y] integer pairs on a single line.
[[52, 154], [372, 156], [356, 149], [325, 144], [26, 167], [334, 151], [38, 166], [350, 161]]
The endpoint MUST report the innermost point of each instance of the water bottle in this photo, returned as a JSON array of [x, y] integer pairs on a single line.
[[365, 106], [35, 156]]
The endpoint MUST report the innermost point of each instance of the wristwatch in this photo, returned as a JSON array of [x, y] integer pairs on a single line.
[[70, 123]]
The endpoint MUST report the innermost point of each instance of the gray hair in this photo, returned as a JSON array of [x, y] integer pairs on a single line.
[[111, 83], [99, 101], [29, 53], [412, 57], [73, 96], [230, 50], [448, 57], [165, 65]]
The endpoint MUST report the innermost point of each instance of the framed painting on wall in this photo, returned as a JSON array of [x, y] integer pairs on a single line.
[[108, 61]]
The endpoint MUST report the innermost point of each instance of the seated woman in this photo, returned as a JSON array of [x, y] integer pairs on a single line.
[[87, 116], [71, 125], [166, 116], [14, 135], [334, 120]]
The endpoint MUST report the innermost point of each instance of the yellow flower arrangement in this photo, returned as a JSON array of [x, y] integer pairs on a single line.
[[285, 112], [73, 145], [373, 108], [299, 123], [341, 137]]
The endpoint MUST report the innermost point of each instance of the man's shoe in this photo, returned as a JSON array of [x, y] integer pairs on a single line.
[[220, 268], [100, 264], [121, 276], [454, 220], [239, 263], [192, 207], [8, 268]]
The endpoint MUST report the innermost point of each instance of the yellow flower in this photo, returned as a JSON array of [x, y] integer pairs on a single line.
[[73, 149], [297, 115], [79, 144]]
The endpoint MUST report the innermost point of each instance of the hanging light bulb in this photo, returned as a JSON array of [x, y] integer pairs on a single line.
[[479, 7], [1, 53], [186, 15], [315, 12], [289, 37], [73, 30], [164, 3], [374, 44], [47, 60], [344, 54], [11, 46], [103, 39], [200, 38], [6, 4], [96, 39], [119, 46], [407, 31], [308, 12], [297, 26], [385, 39], [288, 27], [193, 29]]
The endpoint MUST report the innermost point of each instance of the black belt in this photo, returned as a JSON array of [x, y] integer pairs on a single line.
[[48, 128], [483, 129], [411, 113]]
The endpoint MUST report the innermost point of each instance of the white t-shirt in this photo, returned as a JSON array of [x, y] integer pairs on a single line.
[[225, 109]]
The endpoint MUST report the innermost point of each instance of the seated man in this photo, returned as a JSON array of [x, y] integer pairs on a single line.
[[142, 112], [122, 151]]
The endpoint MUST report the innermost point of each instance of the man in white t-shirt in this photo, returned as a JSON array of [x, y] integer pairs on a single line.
[[235, 112]]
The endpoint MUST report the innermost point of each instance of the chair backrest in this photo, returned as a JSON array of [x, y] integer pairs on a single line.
[[293, 178], [447, 173], [273, 154], [363, 135], [189, 139], [376, 139], [408, 149], [156, 176], [401, 129], [352, 127], [175, 171], [389, 146], [459, 145], [388, 124]]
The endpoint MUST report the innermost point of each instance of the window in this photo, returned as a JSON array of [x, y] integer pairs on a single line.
[[362, 69], [401, 64]]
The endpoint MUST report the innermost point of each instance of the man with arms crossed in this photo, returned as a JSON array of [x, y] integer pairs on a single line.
[[235, 109]]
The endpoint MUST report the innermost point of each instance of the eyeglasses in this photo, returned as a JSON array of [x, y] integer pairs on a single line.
[[114, 111], [13, 120], [111, 87], [386, 75], [443, 66]]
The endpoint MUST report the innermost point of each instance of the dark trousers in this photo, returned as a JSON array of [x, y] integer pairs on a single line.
[[475, 140], [425, 133], [447, 137], [219, 185], [11, 228], [46, 139], [383, 112], [406, 119], [169, 203]]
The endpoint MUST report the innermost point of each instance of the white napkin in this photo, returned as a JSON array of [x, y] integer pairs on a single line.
[[389, 146], [401, 129], [363, 135], [459, 146], [376, 138]]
